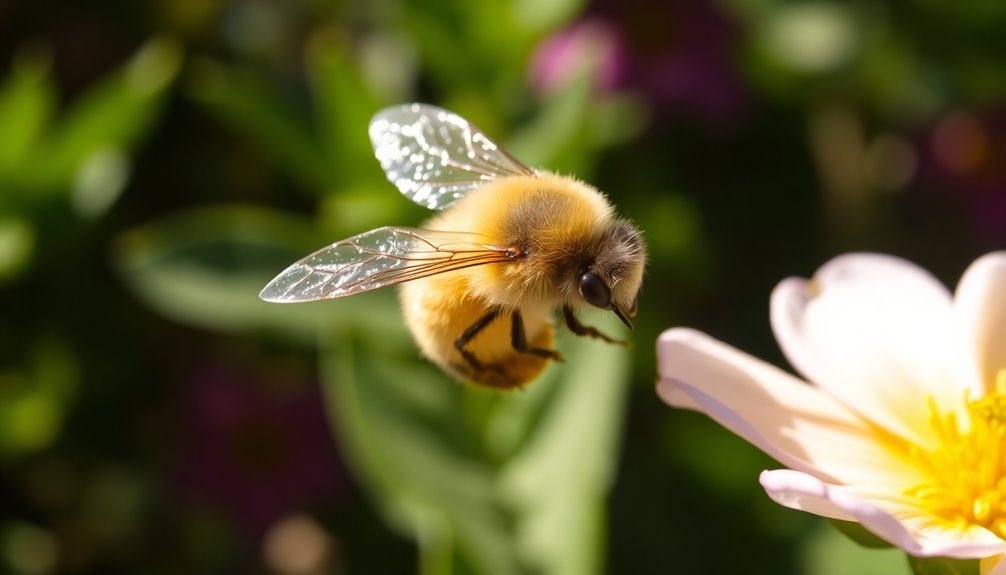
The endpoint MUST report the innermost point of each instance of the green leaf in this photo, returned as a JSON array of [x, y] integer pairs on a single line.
[[858, 534], [541, 16], [27, 98], [399, 422], [249, 103], [17, 243], [558, 138], [943, 566], [34, 398], [473, 48], [344, 106], [110, 117], [558, 483], [825, 551], [488, 482], [206, 267]]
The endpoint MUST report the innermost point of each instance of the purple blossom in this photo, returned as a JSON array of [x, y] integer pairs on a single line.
[[678, 55]]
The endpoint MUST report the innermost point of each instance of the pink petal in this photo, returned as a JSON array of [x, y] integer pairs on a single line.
[[790, 420], [981, 305], [886, 515], [877, 332]]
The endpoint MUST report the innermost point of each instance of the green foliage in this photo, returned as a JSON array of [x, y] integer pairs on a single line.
[[34, 398], [486, 482], [195, 198], [43, 154], [829, 551], [75, 161], [205, 268], [884, 56], [249, 103]]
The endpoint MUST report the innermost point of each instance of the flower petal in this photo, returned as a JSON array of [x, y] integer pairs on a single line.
[[980, 301], [793, 422], [888, 516], [877, 332], [802, 492]]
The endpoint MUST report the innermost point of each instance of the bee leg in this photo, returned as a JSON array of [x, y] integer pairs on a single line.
[[469, 334], [579, 329], [518, 339]]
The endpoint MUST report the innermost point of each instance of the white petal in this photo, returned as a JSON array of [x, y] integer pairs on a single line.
[[886, 515], [802, 492], [877, 332], [793, 422], [981, 305]]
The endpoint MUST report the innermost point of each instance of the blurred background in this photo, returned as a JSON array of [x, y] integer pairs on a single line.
[[160, 161]]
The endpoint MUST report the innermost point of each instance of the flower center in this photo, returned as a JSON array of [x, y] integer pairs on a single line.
[[967, 484]]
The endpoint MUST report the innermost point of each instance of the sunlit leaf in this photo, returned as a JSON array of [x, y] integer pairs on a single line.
[[205, 268], [99, 180], [111, 115], [343, 105], [471, 49], [811, 37], [34, 398], [503, 482], [17, 242], [827, 552], [559, 481], [27, 98], [355, 210], [558, 138], [540, 16]]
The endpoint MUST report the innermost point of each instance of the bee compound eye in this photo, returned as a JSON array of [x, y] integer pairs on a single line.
[[593, 290]]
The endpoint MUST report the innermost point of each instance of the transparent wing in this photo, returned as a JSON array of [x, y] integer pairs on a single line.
[[378, 258], [435, 156]]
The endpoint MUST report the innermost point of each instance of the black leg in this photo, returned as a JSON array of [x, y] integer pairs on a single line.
[[470, 333], [579, 329], [518, 339]]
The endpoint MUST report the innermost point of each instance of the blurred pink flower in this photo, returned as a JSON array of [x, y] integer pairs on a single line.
[[678, 55], [903, 426], [588, 46], [255, 451]]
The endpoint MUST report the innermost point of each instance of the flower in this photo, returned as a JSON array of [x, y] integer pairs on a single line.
[[903, 426], [677, 55]]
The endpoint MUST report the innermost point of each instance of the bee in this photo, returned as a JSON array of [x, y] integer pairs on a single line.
[[481, 280]]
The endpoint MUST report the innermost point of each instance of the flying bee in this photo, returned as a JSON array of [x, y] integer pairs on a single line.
[[482, 279]]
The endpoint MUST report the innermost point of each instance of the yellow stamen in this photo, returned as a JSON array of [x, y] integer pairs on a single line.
[[967, 472]]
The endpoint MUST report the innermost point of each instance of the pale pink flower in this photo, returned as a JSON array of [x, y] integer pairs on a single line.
[[902, 427]]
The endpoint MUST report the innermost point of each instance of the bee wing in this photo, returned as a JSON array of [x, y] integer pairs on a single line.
[[378, 258], [434, 156]]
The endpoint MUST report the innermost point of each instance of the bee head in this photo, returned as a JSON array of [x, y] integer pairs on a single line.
[[612, 279]]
